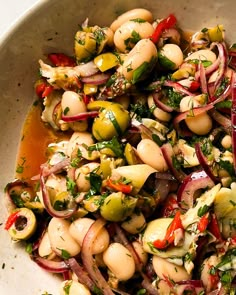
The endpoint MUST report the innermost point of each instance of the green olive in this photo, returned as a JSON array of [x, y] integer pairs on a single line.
[[117, 206], [24, 226], [112, 120], [85, 46], [130, 155]]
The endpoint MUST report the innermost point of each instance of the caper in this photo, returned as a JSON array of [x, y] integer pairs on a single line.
[[117, 206]]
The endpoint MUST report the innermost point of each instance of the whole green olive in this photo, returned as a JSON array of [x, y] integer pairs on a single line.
[[112, 120], [117, 206]]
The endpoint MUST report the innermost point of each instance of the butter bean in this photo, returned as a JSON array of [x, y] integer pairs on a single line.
[[132, 14]]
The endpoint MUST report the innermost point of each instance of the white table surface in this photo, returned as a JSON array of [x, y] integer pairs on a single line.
[[11, 10]]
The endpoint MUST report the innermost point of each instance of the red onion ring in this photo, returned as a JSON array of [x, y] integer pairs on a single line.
[[178, 87], [88, 260], [191, 183], [82, 275], [97, 79], [221, 119], [51, 266], [203, 78], [9, 204], [203, 162], [168, 154], [223, 63], [52, 170], [233, 118], [160, 104], [48, 206], [210, 69], [79, 117]]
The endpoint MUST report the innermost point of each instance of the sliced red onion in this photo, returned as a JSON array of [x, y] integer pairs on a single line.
[[47, 202], [9, 204], [51, 266], [203, 80], [164, 176], [80, 117], [97, 79], [160, 104], [172, 34], [221, 119], [223, 63], [210, 69], [88, 260], [178, 87], [191, 183], [194, 181], [168, 154], [82, 275], [163, 188], [233, 118], [86, 70], [46, 170], [203, 162]]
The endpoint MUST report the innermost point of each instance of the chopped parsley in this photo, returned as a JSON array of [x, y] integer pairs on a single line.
[[112, 144], [202, 210], [66, 110], [130, 42], [174, 98], [141, 111]]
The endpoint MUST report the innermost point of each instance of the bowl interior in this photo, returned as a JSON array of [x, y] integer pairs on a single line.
[[50, 27]]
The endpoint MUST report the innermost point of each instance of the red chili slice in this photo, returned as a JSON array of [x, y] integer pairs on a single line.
[[164, 24], [61, 60]]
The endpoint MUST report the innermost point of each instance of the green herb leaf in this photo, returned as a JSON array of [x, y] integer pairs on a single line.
[[65, 254], [112, 144], [66, 110], [202, 210]]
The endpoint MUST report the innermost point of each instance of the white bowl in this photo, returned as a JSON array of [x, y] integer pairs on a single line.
[[50, 26]]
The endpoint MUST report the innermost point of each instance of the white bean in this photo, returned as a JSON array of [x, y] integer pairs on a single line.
[[143, 51], [120, 261], [203, 54], [79, 138], [226, 141], [135, 223], [200, 124], [163, 268], [70, 287], [72, 103], [45, 248], [81, 176], [157, 112], [150, 153], [130, 33], [174, 54], [60, 238], [132, 14], [80, 227]]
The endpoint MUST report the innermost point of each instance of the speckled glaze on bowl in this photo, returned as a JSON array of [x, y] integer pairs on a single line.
[[50, 26]]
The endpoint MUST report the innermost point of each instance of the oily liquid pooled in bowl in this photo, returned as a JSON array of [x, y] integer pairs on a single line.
[[35, 138]]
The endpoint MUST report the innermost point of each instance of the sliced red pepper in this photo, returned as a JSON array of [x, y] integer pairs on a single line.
[[214, 227], [194, 86], [119, 186], [61, 60], [164, 24], [170, 237], [42, 88], [11, 219], [203, 223], [170, 206]]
